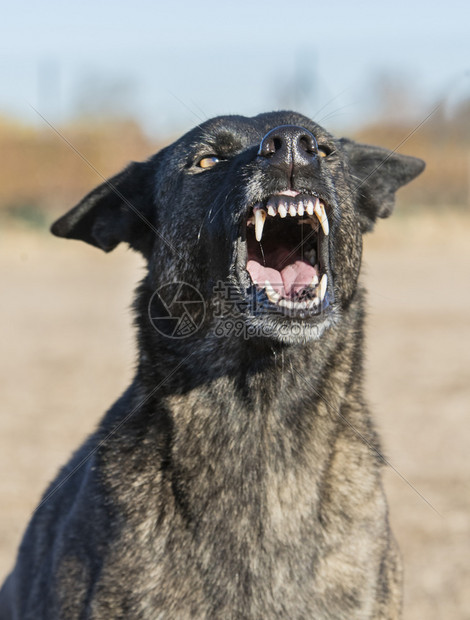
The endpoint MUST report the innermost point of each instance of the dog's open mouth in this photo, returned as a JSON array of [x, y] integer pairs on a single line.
[[285, 250]]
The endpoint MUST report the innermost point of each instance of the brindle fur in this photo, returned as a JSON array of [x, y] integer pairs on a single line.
[[236, 478]]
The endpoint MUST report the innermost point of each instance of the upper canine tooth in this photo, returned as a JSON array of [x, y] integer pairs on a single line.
[[260, 216], [282, 210], [323, 284], [309, 207], [321, 214], [324, 223], [292, 210]]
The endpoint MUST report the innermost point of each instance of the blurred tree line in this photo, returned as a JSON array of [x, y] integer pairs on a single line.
[[443, 141], [44, 173]]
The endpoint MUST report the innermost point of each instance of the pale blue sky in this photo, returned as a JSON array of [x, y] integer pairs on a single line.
[[173, 62]]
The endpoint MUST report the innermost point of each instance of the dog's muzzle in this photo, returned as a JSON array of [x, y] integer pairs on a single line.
[[289, 146]]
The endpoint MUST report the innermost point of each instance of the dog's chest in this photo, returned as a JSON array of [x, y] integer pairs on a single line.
[[238, 571], [233, 538]]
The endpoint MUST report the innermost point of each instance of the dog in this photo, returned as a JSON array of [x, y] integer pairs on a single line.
[[239, 476]]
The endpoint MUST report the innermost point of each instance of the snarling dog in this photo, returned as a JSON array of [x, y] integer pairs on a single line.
[[239, 476]]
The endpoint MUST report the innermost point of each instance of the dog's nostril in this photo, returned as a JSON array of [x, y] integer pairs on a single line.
[[287, 142], [308, 144], [270, 145]]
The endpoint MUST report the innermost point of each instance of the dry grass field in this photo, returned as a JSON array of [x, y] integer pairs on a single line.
[[67, 352]]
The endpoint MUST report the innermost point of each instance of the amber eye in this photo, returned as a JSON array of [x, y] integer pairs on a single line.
[[208, 162], [324, 151]]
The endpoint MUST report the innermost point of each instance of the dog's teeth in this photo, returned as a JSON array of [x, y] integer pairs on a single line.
[[314, 282], [324, 223], [300, 208], [271, 206], [317, 210], [272, 295], [282, 210], [260, 216], [287, 303], [321, 215], [309, 207], [323, 284], [292, 210]]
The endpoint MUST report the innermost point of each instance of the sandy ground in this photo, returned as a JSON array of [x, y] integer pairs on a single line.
[[67, 352]]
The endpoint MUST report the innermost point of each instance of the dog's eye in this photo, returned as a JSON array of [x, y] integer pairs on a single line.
[[324, 151], [208, 162]]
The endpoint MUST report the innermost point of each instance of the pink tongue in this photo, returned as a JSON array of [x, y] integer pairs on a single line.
[[288, 281]]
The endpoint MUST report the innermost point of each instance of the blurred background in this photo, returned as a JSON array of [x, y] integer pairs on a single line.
[[87, 87]]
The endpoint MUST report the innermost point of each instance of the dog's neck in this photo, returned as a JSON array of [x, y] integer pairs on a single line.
[[276, 397], [238, 442], [249, 444]]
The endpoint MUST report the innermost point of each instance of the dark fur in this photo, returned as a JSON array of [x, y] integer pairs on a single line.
[[246, 481]]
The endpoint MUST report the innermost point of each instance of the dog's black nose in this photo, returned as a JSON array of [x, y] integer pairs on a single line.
[[288, 145]]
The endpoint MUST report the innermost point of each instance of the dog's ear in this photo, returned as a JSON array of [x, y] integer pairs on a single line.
[[121, 209], [377, 174]]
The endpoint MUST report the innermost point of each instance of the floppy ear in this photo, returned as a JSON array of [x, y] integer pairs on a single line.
[[377, 174], [121, 209]]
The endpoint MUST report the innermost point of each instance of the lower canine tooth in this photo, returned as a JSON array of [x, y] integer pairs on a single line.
[[271, 293], [260, 216], [314, 281], [323, 285]]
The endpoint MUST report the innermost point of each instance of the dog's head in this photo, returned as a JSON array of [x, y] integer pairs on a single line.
[[273, 206]]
